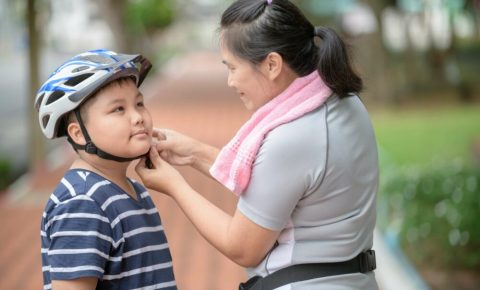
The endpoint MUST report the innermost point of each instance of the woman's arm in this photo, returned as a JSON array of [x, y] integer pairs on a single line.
[[178, 149], [237, 237]]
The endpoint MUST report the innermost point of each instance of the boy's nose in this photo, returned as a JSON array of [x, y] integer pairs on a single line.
[[137, 117]]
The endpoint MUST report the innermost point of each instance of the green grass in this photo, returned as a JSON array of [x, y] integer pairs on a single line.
[[419, 137]]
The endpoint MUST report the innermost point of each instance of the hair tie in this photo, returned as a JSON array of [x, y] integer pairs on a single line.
[[269, 2], [318, 31]]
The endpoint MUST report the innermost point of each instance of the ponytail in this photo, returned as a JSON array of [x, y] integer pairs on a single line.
[[253, 29], [334, 64]]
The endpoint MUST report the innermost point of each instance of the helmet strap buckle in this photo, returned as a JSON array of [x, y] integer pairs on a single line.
[[90, 148]]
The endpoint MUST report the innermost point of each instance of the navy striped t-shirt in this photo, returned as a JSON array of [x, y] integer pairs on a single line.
[[93, 228]]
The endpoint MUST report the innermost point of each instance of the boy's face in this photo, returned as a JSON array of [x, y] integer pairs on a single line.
[[118, 121]]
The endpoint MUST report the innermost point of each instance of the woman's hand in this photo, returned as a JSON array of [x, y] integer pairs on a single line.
[[224, 232], [162, 176], [175, 148], [179, 149]]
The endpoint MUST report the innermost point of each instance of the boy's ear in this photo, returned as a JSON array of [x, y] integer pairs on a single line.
[[75, 132], [273, 64]]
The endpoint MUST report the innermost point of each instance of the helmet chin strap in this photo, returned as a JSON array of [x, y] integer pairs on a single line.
[[91, 148]]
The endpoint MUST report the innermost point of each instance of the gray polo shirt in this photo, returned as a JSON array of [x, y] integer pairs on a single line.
[[315, 179]]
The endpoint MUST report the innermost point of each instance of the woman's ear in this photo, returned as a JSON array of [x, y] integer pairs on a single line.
[[273, 64], [75, 132]]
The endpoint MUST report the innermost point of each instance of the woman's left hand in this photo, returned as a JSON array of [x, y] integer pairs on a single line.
[[225, 233], [162, 176]]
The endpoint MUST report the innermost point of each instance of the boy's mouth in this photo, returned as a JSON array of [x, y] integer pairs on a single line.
[[140, 132]]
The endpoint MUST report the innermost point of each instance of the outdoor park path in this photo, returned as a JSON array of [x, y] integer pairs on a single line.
[[192, 105]]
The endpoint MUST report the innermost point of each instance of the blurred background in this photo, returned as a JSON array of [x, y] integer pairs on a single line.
[[420, 60]]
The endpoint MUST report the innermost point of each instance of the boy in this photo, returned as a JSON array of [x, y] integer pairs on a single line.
[[100, 229]]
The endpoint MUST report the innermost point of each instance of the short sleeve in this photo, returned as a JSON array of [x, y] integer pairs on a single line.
[[80, 240], [282, 174]]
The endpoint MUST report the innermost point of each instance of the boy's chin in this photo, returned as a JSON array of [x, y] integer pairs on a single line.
[[143, 151], [140, 149], [135, 154]]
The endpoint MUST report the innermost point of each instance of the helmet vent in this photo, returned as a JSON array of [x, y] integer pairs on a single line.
[[80, 68], [96, 58], [45, 120], [55, 96], [77, 79], [39, 101]]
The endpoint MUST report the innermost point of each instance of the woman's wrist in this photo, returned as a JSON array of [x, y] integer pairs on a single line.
[[203, 157], [180, 188]]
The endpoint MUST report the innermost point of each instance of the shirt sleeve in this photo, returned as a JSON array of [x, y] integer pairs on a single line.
[[283, 172], [80, 240]]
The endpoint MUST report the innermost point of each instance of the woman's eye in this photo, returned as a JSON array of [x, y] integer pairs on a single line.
[[140, 104], [118, 109]]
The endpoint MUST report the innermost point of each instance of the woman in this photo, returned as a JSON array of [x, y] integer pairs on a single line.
[[304, 165]]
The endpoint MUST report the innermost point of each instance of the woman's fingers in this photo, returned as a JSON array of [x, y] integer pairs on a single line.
[[164, 145], [173, 147], [141, 166], [165, 155], [159, 133], [155, 157], [161, 140]]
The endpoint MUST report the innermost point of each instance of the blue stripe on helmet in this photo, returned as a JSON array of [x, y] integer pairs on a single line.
[[53, 85]]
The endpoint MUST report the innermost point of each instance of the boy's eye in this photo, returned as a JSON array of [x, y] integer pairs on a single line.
[[140, 104], [118, 109]]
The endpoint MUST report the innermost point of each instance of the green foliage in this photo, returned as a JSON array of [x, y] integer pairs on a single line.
[[429, 196], [434, 210], [149, 15]]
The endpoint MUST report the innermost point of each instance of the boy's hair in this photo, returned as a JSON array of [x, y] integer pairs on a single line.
[[80, 78]]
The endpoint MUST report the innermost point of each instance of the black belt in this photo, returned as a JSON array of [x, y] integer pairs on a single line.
[[363, 263]]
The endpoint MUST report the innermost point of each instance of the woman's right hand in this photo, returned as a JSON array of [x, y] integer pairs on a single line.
[[174, 147], [179, 149]]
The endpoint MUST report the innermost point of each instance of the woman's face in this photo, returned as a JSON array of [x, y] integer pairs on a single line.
[[249, 81]]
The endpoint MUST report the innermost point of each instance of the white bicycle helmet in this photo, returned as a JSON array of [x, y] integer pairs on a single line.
[[78, 79]]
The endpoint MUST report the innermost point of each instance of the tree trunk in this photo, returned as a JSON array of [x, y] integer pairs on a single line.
[[379, 83], [114, 13], [37, 147]]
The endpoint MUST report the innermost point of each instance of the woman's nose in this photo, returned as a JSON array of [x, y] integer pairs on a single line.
[[230, 81]]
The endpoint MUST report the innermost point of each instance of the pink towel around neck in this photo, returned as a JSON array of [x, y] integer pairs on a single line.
[[234, 163]]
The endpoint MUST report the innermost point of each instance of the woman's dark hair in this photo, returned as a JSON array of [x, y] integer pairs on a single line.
[[251, 29]]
